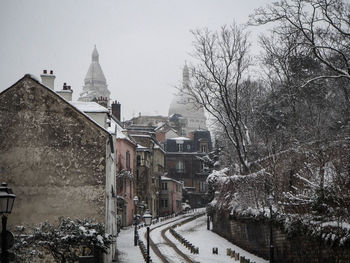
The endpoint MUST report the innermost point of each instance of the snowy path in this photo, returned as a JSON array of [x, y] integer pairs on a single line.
[[194, 231], [128, 253]]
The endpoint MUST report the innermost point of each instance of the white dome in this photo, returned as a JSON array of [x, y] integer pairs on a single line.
[[95, 84], [95, 74], [181, 104]]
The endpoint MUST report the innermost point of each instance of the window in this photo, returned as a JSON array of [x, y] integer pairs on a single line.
[[130, 196], [203, 167], [180, 147], [180, 167], [138, 160], [127, 160], [164, 203], [203, 148], [164, 186], [188, 147], [202, 186]]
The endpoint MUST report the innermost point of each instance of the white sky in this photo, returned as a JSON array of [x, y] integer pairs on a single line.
[[143, 44]]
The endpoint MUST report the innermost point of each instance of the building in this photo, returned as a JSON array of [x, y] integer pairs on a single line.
[[184, 113], [58, 161], [183, 165], [125, 173], [170, 196], [147, 121], [95, 84], [149, 166], [165, 131]]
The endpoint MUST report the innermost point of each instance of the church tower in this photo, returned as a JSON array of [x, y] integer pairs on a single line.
[[182, 105], [95, 85]]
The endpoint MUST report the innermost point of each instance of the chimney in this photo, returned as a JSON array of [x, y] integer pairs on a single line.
[[66, 92], [48, 80], [116, 106], [103, 101]]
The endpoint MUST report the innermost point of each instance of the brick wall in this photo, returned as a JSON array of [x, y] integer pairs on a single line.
[[254, 236]]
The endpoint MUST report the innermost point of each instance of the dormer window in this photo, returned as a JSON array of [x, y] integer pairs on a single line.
[[180, 145]]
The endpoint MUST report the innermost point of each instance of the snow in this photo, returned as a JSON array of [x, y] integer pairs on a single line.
[[194, 231], [180, 139], [100, 239], [89, 106], [139, 147]]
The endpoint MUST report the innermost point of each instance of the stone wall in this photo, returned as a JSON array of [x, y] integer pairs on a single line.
[[254, 236], [52, 156]]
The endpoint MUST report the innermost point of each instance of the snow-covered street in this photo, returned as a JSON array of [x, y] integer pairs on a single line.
[[195, 231]]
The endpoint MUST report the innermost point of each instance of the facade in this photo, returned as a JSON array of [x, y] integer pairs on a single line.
[[170, 196], [57, 160], [147, 121], [95, 84], [125, 176], [182, 164], [164, 131], [149, 167]]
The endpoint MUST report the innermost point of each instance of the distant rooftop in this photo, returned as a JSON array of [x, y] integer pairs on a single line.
[[89, 106]]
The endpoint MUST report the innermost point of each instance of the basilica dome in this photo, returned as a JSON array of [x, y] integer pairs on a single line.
[[181, 104]]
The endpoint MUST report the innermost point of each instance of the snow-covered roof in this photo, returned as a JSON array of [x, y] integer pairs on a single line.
[[180, 138], [141, 135], [165, 178], [141, 148], [117, 129], [89, 106]]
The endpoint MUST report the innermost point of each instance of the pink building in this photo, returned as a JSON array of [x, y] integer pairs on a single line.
[[126, 161], [170, 196]]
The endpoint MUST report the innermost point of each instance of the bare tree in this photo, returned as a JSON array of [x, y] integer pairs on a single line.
[[218, 82], [322, 26]]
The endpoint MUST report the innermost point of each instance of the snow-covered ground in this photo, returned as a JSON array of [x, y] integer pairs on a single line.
[[195, 231], [128, 253]]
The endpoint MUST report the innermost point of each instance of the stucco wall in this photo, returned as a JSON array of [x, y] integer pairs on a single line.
[[51, 155], [128, 191]]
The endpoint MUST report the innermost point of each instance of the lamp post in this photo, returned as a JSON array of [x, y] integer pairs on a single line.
[[270, 200], [136, 200], [147, 217], [7, 199]]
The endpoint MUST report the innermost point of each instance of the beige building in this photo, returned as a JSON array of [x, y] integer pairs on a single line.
[[57, 160]]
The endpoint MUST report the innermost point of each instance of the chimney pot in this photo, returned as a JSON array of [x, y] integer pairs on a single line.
[[116, 110], [48, 80]]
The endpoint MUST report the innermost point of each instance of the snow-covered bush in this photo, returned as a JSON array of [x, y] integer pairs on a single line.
[[65, 242], [310, 186]]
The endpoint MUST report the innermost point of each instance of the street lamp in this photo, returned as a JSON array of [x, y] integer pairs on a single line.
[[147, 217], [270, 200], [7, 198], [136, 200]]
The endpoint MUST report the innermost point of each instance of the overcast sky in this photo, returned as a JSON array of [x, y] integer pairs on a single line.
[[143, 44]]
